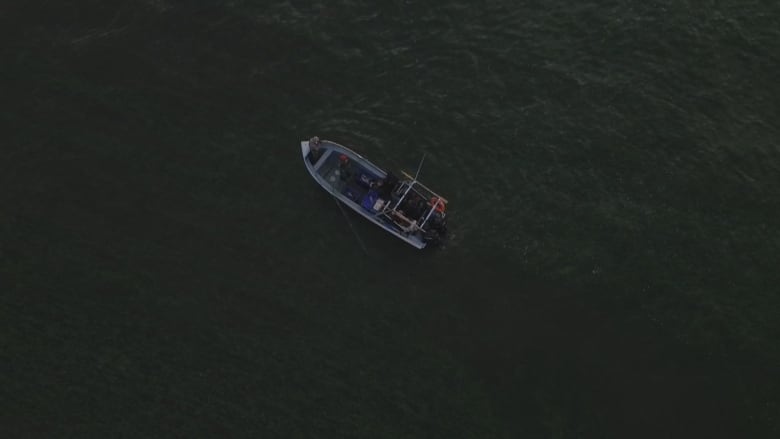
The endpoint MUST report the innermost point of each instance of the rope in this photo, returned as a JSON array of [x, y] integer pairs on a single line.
[[351, 227]]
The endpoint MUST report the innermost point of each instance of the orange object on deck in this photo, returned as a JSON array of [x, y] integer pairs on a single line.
[[438, 203]]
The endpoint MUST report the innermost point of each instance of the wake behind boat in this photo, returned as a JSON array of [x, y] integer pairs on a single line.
[[404, 207]]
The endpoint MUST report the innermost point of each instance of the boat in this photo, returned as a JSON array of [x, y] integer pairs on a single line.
[[403, 206]]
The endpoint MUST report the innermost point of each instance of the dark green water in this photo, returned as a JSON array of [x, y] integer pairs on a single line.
[[167, 267]]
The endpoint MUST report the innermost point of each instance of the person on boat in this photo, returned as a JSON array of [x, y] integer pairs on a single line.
[[344, 167], [316, 152], [386, 185], [382, 189], [413, 206]]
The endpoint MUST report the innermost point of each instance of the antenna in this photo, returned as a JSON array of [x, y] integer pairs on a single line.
[[419, 167]]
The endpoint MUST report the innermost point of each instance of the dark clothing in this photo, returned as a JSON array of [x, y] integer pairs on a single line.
[[390, 181], [416, 209], [384, 189], [314, 155]]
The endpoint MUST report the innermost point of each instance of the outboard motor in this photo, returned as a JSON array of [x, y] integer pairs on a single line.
[[436, 229], [438, 223]]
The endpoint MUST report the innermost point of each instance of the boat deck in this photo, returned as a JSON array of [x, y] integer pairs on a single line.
[[355, 187]]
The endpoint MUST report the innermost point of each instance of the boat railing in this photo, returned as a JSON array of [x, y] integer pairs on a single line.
[[433, 209], [415, 182], [406, 192]]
